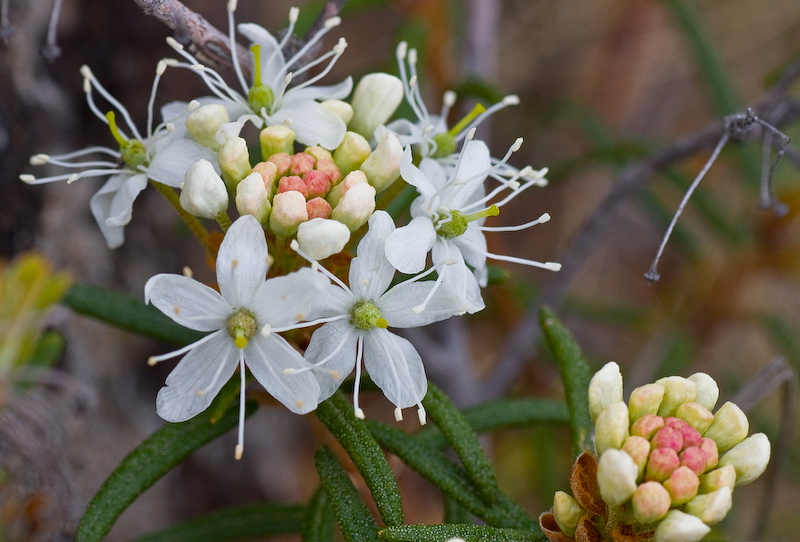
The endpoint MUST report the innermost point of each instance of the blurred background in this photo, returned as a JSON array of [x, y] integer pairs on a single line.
[[604, 85]]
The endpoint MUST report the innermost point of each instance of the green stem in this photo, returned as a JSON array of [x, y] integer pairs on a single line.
[[223, 220], [191, 221]]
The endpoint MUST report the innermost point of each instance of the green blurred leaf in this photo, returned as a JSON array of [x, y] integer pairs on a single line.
[[463, 440], [337, 415], [575, 375], [241, 523], [470, 533], [319, 520], [352, 514], [47, 350], [127, 312], [145, 465]]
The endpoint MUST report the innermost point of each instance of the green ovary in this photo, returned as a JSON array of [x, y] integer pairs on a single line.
[[260, 96], [365, 315], [453, 223], [241, 327]]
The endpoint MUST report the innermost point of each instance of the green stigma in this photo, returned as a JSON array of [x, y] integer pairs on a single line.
[[260, 95], [241, 327], [365, 315], [454, 223], [446, 141], [133, 151]]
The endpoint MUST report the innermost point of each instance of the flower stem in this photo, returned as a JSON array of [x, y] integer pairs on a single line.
[[223, 220], [191, 221]]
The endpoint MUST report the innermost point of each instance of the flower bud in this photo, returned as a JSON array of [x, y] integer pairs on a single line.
[[650, 502], [662, 462], [682, 485], [611, 427], [252, 198], [690, 435], [645, 400], [288, 211], [679, 526], [729, 427], [695, 415], [268, 172], [319, 237], [319, 153], [639, 450], [204, 122], [351, 152], [605, 388], [276, 139], [647, 426], [382, 166], [707, 390], [709, 447], [355, 208], [341, 109], [292, 183], [318, 208], [318, 183], [375, 100], [677, 390], [749, 458], [337, 192], [282, 163], [567, 512], [694, 458], [616, 476], [203, 192], [712, 507], [668, 437], [234, 160], [301, 163], [717, 478]]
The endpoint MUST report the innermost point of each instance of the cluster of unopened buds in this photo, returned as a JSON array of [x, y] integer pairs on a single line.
[[666, 467], [325, 164]]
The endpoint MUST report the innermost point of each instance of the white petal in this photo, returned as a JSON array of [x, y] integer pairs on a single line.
[[187, 301], [173, 155], [112, 205], [178, 400], [370, 272], [472, 245], [242, 262], [267, 357], [458, 277], [397, 305], [476, 160], [395, 366], [413, 176], [324, 343], [407, 247], [288, 299], [297, 96], [312, 123]]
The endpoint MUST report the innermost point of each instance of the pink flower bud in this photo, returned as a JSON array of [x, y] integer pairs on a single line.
[[647, 425], [690, 435], [288, 212], [709, 447], [268, 172], [668, 437], [662, 462], [329, 168], [679, 526], [677, 390], [651, 502], [318, 208], [282, 163], [682, 485], [694, 458], [729, 427], [645, 400], [639, 450], [318, 183], [616, 476], [276, 139], [749, 458], [695, 415], [605, 388], [712, 507], [611, 427], [292, 183], [717, 478], [301, 163]]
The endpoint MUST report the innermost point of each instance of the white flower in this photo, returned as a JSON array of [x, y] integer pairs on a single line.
[[270, 100], [245, 305], [357, 319], [163, 155], [447, 220]]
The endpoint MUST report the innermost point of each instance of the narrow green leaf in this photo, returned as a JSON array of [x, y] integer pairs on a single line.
[[127, 312], [455, 513], [319, 520], [470, 533], [241, 523], [464, 441], [337, 415], [575, 374], [508, 412], [145, 465], [352, 514]]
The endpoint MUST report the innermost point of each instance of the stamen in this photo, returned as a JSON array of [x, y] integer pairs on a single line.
[[294, 245], [492, 210], [423, 419], [336, 52], [160, 69], [541, 220], [240, 445], [39, 159], [468, 118], [113, 101], [187, 272], [357, 384], [398, 415], [237, 69], [326, 359], [550, 266], [333, 22], [152, 360]]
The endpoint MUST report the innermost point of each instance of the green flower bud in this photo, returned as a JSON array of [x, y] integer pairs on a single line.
[[695, 415], [650, 502], [616, 476], [679, 526], [567, 512], [712, 507], [234, 160], [611, 427], [605, 388], [677, 390], [707, 390], [382, 166], [645, 400], [749, 458], [204, 122], [351, 152], [375, 100], [276, 139], [729, 427], [717, 478]]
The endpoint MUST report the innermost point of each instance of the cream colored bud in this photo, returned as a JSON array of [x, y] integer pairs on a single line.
[[611, 427], [677, 390], [695, 415], [351, 152], [269, 173], [729, 427], [320, 154], [717, 478], [605, 388], [288, 212], [252, 198], [616, 476], [707, 390], [679, 526], [382, 166], [337, 192], [276, 139], [650, 502], [322, 237], [645, 400], [343, 110], [234, 160], [567, 512], [203, 192], [750, 458], [355, 208], [375, 100], [639, 450], [712, 507], [204, 122]]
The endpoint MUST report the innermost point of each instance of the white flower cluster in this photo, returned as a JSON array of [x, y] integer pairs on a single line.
[[306, 206]]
